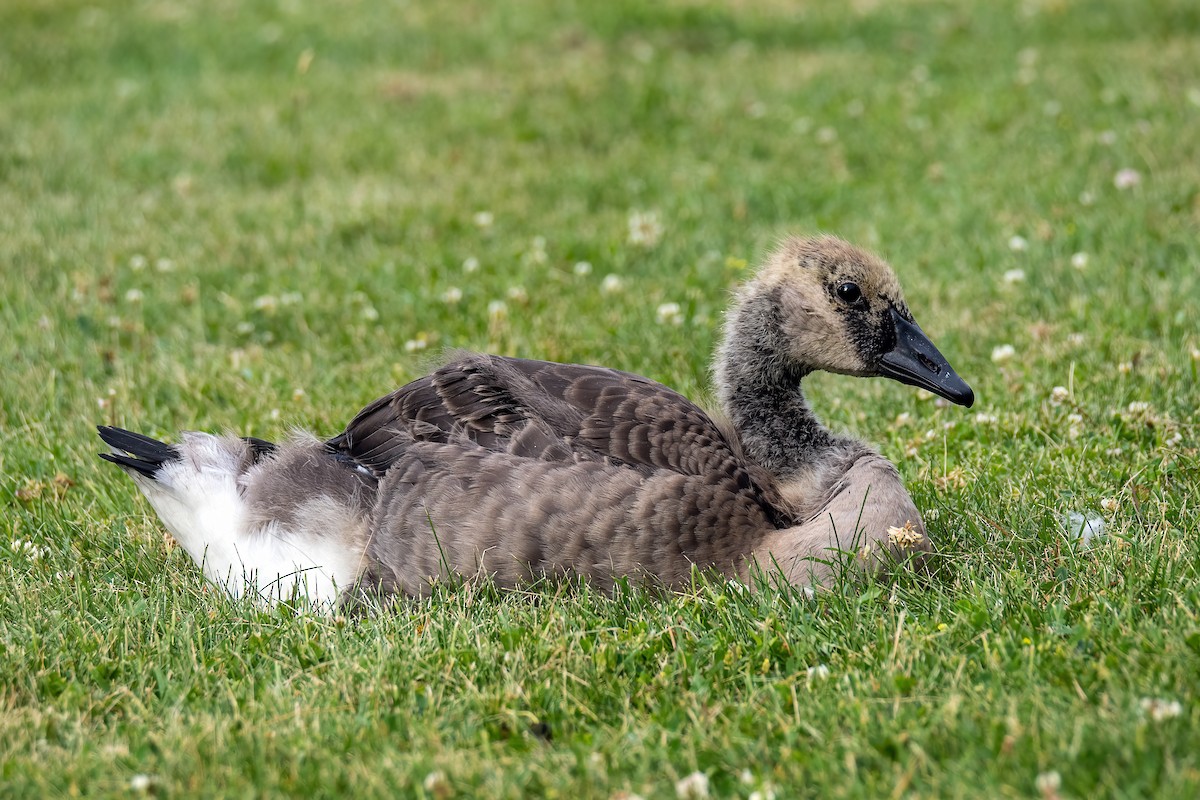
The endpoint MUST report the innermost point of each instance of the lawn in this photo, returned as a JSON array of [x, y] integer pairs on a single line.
[[257, 216]]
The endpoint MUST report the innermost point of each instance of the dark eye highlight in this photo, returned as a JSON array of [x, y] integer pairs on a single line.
[[849, 293]]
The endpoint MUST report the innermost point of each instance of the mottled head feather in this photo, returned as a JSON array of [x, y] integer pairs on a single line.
[[797, 290]]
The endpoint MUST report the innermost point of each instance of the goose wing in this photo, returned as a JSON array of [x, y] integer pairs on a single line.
[[551, 411], [615, 415]]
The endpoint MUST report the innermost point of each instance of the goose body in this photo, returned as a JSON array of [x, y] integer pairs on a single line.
[[516, 468]]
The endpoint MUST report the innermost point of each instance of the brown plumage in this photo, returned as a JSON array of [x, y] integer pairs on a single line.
[[517, 468]]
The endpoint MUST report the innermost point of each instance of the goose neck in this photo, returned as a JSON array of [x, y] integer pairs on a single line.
[[759, 389]]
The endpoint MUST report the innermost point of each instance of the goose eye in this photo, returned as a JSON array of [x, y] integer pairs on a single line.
[[849, 293]]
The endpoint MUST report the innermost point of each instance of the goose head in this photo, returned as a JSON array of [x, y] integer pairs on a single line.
[[822, 304]]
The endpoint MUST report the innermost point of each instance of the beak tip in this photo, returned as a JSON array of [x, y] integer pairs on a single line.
[[914, 360]]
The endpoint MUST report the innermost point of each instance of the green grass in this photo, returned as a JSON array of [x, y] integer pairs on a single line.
[[234, 215]]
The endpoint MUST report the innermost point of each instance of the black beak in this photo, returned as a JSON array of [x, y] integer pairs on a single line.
[[915, 361]]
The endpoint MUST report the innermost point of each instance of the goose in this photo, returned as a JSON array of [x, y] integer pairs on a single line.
[[516, 468]]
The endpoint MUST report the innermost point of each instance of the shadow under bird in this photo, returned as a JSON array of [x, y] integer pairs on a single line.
[[517, 469]]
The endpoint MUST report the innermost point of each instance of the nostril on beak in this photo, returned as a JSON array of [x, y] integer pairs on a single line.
[[928, 363]]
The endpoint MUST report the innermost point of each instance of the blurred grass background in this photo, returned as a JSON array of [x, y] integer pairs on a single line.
[[260, 215]]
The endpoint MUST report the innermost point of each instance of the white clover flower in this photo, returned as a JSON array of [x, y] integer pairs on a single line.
[[483, 219], [29, 549], [611, 283], [932, 515], [414, 345], [905, 536], [1014, 276], [1079, 260], [1109, 504], [1159, 709], [817, 672], [762, 794], [670, 314], [1087, 198], [164, 265], [1125, 367], [275, 413], [134, 296], [1018, 244], [298, 393], [517, 294], [141, 783], [1127, 178], [582, 268], [986, 419], [370, 313], [452, 295], [266, 302], [138, 263], [692, 787], [1076, 339], [537, 252], [470, 264], [644, 228], [436, 784], [1003, 352], [1059, 395], [497, 310], [1195, 354], [291, 298], [827, 135], [1048, 784], [1107, 138], [902, 419], [244, 327], [1139, 407], [1074, 419], [1174, 440]]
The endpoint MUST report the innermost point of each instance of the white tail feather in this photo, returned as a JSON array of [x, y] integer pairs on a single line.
[[200, 499]]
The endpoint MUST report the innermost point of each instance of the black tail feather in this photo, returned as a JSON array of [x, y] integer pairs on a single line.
[[147, 468], [140, 453]]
